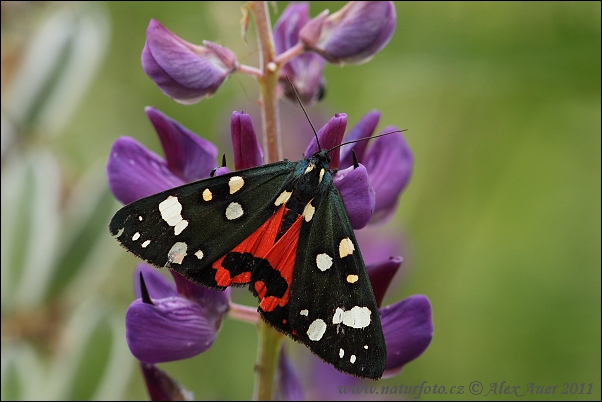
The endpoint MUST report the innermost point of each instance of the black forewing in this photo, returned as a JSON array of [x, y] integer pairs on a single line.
[[209, 234], [327, 295]]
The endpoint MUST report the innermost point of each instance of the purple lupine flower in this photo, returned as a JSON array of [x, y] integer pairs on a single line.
[[388, 160], [370, 191], [352, 35], [167, 323], [306, 70], [184, 71], [134, 172]]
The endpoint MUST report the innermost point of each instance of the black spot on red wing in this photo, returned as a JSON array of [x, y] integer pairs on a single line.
[[261, 271]]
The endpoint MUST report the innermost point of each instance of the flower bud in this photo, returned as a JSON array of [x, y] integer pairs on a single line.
[[183, 71], [352, 35]]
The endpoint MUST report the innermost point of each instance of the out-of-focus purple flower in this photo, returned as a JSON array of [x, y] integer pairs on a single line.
[[352, 35], [134, 172], [247, 151], [305, 70], [177, 324], [287, 385], [183, 71], [161, 386], [388, 160]]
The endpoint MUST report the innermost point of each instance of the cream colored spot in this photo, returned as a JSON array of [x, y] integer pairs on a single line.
[[323, 261], [177, 252], [235, 183], [304, 312], [341, 353], [352, 278], [119, 232], [146, 243], [136, 236], [308, 212], [316, 330], [283, 198], [309, 168], [357, 317], [365, 346], [199, 254], [140, 218], [352, 359], [180, 226], [170, 210], [207, 195], [321, 176], [346, 247], [234, 211]]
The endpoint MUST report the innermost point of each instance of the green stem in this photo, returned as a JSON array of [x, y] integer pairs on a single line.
[[269, 339]]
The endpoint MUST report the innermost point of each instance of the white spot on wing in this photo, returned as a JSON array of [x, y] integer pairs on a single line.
[[180, 226], [235, 183], [234, 211], [177, 252], [316, 330], [321, 176], [309, 168], [207, 195], [323, 261], [365, 346], [140, 218], [352, 359], [357, 317], [146, 243], [199, 254], [304, 312], [346, 247], [283, 198], [308, 212], [136, 236], [119, 232], [341, 353], [170, 210]]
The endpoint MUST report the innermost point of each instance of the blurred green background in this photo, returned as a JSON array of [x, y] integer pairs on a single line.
[[501, 220]]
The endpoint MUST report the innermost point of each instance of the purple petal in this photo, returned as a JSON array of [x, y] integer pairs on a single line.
[[381, 275], [389, 163], [357, 194], [184, 71], [288, 385], [161, 387], [134, 172], [157, 285], [362, 129], [354, 34], [378, 244], [187, 155], [213, 302], [304, 71], [286, 29], [327, 382], [173, 328], [247, 151], [330, 136], [408, 329]]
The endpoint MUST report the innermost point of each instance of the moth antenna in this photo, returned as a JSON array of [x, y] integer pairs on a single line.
[[366, 139], [300, 103], [224, 160], [355, 162]]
